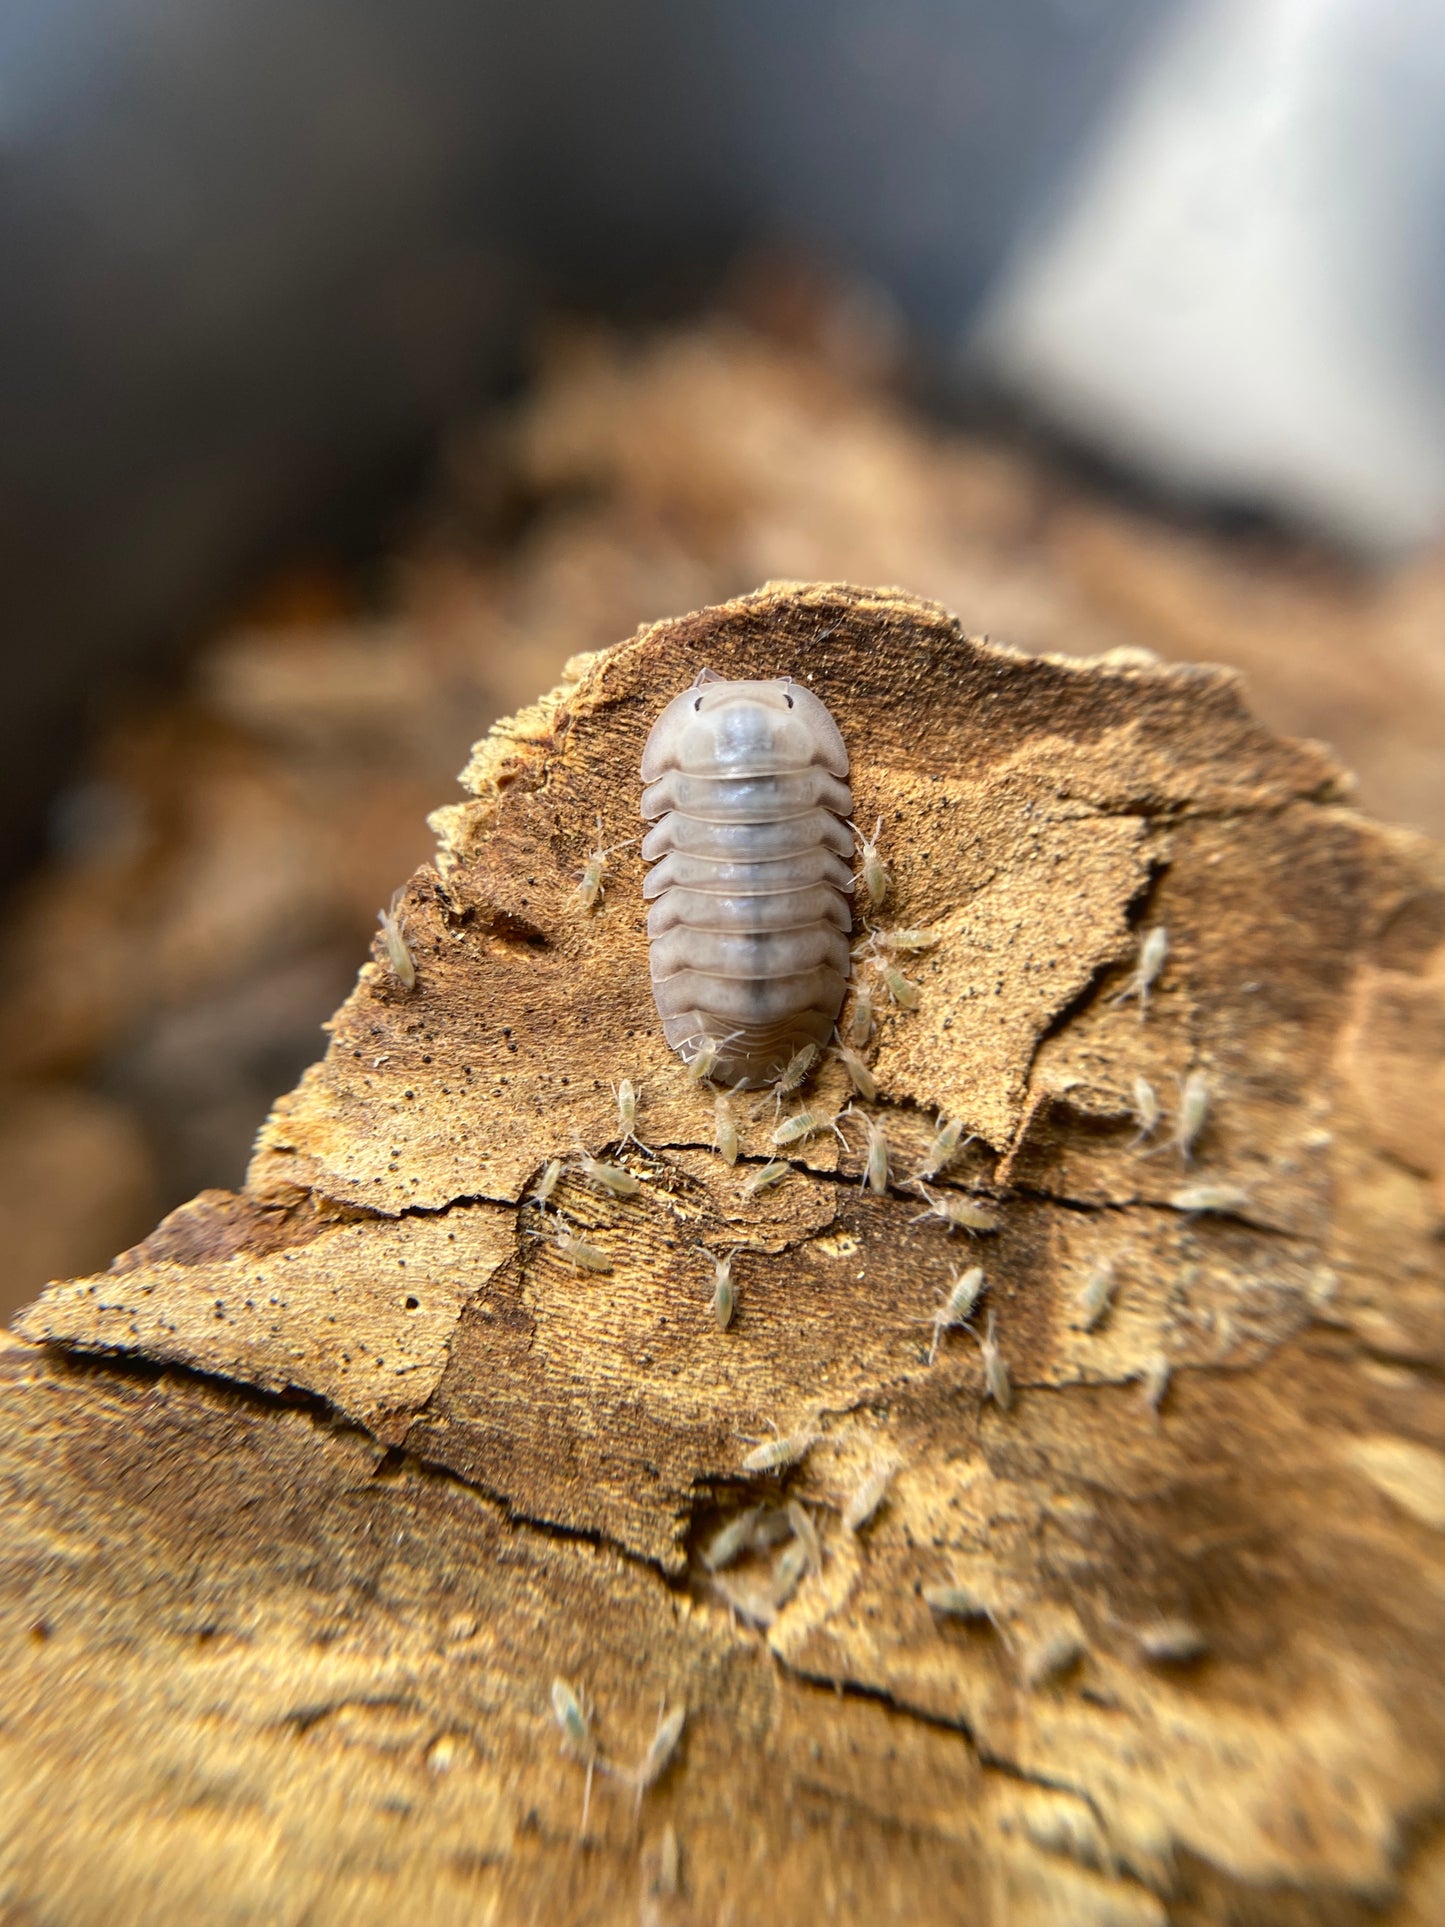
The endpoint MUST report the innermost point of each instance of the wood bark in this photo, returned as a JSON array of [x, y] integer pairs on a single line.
[[312, 1496]]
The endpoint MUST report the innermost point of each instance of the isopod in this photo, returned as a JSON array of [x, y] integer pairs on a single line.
[[704, 1060], [801, 1125], [1153, 954], [745, 785], [794, 1073], [393, 937]]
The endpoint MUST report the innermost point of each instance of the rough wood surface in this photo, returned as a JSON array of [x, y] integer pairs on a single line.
[[311, 1496]]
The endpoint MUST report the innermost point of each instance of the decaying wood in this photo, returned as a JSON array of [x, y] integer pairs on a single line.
[[313, 1495]]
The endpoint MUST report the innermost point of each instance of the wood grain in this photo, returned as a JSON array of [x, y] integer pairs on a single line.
[[311, 1496]]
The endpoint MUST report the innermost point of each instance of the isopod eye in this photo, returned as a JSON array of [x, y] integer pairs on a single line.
[[787, 699], [698, 703]]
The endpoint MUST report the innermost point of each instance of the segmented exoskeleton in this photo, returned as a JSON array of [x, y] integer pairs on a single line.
[[747, 793]]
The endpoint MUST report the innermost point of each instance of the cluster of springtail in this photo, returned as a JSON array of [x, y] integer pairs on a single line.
[[1195, 1095], [876, 969]]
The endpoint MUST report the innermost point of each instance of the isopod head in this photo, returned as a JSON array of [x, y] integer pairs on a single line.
[[717, 727]]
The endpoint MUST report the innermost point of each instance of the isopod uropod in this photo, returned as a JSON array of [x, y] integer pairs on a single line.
[[746, 791]]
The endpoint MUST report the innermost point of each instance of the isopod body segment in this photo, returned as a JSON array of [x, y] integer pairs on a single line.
[[745, 785]]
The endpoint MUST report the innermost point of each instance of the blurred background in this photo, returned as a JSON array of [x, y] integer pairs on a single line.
[[360, 364]]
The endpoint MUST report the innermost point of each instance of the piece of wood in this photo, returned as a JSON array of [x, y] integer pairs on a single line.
[[311, 1496]]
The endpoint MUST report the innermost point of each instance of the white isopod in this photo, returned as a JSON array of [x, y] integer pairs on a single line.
[[746, 790]]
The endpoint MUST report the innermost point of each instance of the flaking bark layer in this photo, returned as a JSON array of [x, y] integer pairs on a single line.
[[312, 1495]]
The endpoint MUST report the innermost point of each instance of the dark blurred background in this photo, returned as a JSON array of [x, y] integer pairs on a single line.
[[358, 364]]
